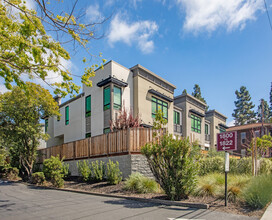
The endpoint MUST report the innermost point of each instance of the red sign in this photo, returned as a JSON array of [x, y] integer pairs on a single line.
[[227, 141]]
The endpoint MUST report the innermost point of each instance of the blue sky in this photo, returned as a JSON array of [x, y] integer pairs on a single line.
[[218, 44]]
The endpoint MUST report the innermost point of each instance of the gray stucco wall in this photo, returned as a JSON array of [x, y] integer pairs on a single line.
[[127, 164]]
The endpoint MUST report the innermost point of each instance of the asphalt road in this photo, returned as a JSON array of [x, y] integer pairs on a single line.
[[18, 201]]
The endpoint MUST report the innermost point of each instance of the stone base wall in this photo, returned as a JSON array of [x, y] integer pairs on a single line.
[[127, 163]]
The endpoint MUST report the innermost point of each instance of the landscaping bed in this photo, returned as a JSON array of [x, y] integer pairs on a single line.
[[214, 203]]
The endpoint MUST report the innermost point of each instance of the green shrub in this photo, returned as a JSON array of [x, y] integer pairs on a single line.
[[174, 165], [114, 176], [65, 170], [233, 165], [140, 184], [258, 193], [265, 166], [211, 165], [11, 173], [53, 171], [84, 170], [97, 171], [244, 165], [37, 178]]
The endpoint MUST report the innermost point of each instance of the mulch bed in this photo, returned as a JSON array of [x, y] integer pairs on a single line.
[[214, 203]]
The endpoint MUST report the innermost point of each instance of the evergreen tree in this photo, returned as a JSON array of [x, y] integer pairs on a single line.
[[197, 93], [244, 113], [184, 92], [266, 112]]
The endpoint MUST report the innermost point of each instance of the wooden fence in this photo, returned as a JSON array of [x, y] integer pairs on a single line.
[[114, 143]]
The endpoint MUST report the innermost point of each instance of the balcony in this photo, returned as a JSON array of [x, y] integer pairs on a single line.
[[207, 137], [177, 128]]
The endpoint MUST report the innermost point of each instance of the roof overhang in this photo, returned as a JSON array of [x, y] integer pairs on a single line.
[[113, 80], [197, 113], [224, 126], [156, 93]]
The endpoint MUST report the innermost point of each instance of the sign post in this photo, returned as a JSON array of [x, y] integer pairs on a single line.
[[226, 142]]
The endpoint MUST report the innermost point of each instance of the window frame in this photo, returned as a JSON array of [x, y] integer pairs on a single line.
[[117, 105], [158, 102], [195, 124], [67, 118], [207, 129], [88, 112], [177, 116], [107, 105]]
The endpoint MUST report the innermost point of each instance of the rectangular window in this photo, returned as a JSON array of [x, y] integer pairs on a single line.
[[195, 123], [117, 98], [107, 98], [257, 133], [107, 130], [88, 106], [157, 105], [243, 137], [88, 135], [46, 125], [206, 129], [67, 115], [176, 118]]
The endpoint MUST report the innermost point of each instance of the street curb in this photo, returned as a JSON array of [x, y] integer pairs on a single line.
[[268, 213], [156, 201]]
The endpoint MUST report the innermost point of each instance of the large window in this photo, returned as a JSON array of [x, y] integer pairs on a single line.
[[46, 125], [88, 106], [117, 98], [176, 118], [67, 115], [195, 123], [157, 105], [107, 98], [206, 129]]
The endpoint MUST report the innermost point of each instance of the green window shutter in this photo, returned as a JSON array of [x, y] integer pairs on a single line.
[[66, 115], [117, 97], [88, 106], [107, 98]]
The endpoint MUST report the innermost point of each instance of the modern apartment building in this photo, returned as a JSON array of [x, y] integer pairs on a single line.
[[138, 89]]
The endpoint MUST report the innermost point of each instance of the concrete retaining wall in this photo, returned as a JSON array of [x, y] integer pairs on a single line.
[[127, 164]]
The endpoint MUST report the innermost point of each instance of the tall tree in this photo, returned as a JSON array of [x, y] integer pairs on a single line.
[[266, 112], [20, 114], [184, 92], [197, 93], [27, 50], [243, 113]]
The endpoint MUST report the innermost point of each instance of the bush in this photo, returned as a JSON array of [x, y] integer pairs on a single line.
[[53, 171], [244, 166], [11, 173], [37, 178], [174, 165], [97, 171], [258, 192], [211, 165], [65, 170], [265, 166], [114, 176], [140, 184], [84, 169]]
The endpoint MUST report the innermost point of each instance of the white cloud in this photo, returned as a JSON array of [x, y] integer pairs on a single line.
[[231, 123], [209, 15], [93, 13], [133, 33]]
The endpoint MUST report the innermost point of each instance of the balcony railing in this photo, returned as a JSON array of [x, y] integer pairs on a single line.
[[207, 137], [177, 128]]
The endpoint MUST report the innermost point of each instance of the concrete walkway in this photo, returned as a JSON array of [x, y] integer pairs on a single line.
[[268, 213]]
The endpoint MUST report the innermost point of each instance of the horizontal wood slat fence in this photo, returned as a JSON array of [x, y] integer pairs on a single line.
[[119, 142]]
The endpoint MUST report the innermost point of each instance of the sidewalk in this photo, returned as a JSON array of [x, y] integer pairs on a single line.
[[268, 213]]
